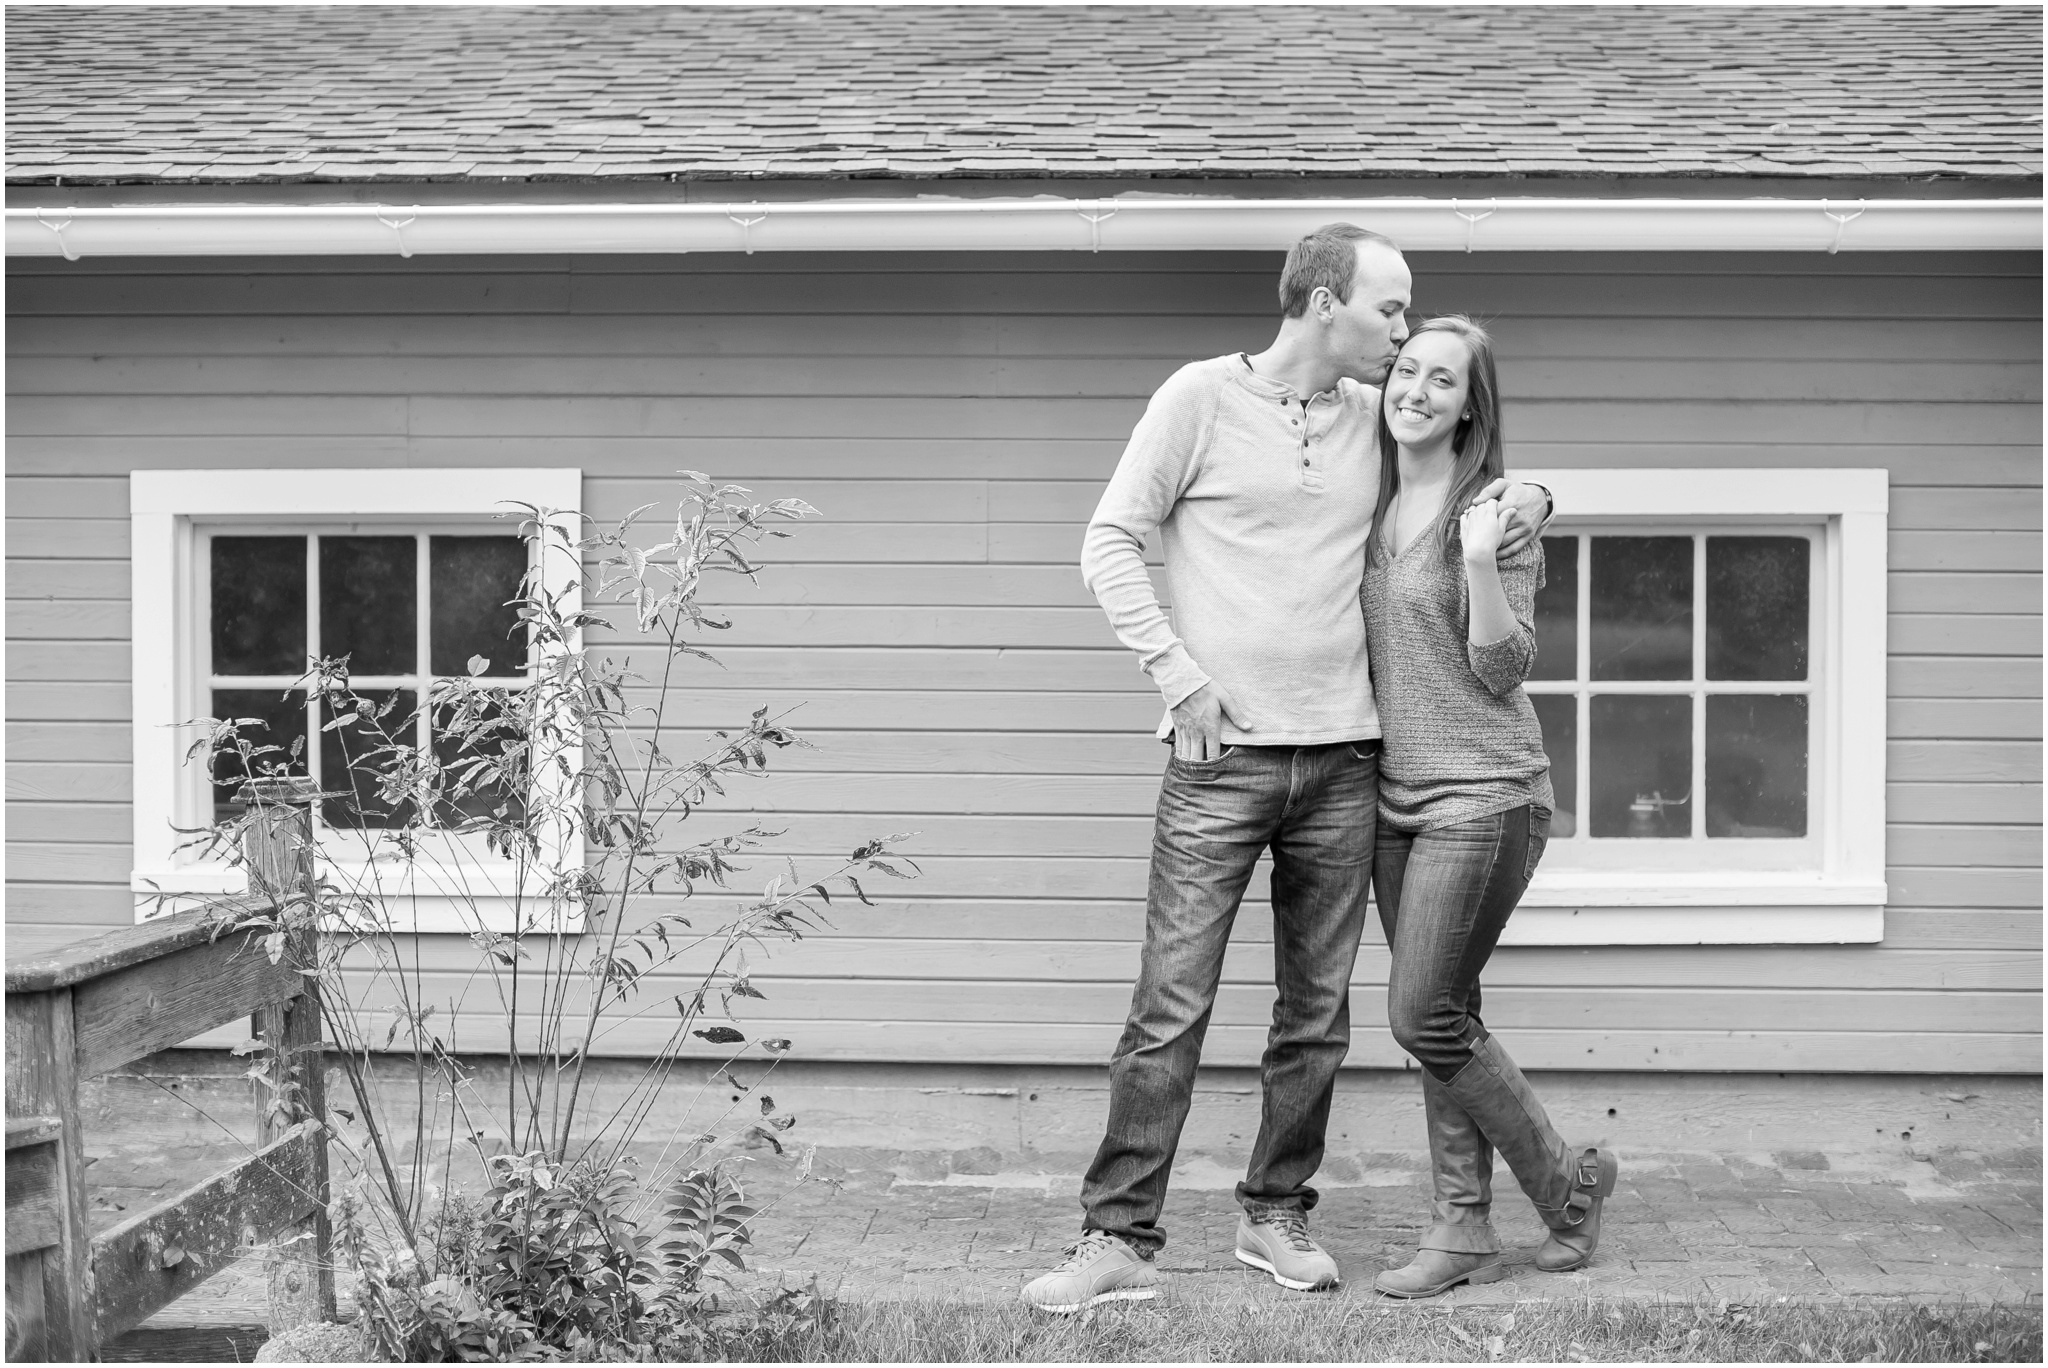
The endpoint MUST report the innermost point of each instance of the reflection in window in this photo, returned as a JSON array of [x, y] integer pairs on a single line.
[[1756, 765], [1642, 608], [1756, 607], [259, 605], [1557, 612], [369, 603], [1642, 766]]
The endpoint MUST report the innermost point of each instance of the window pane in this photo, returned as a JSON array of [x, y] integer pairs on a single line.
[[1642, 609], [369, 602], [1641, 757], [259, 605], [349, 763], [282, 719], [1557, 612], [483, 736], [471, 579], [1756, 765], [1559, 714], [1756, 608]]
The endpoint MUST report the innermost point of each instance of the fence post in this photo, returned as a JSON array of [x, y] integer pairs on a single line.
[[49, 1289], [278, 848]]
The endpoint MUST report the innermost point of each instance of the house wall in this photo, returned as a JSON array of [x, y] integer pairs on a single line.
[[954, 417]]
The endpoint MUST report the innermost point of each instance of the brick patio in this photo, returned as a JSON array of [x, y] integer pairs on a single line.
[[1749, 1228]]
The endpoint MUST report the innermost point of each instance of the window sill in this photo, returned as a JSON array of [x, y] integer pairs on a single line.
[[1578, 907], [434, 900]]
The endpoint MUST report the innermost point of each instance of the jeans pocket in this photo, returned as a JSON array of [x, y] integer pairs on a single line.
[[1363, 750], [1539, 837], [1200, 771]]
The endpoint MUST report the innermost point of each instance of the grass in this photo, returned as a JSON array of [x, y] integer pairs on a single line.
[[1348, 1331]]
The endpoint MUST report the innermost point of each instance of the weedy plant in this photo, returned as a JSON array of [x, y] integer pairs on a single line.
[[572, 776]]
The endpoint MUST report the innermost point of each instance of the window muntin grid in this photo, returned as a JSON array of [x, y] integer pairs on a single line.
[[436, 645], [1694, 678]]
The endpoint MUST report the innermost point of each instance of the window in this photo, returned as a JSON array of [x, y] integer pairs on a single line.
[[1674, 678], [1710, 683], [241, 578], [405, 608]]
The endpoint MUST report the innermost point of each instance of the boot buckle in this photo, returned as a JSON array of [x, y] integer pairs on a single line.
[[1589, 1175]]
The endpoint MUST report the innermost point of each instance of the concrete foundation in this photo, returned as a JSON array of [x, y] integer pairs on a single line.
[[175, 1117]]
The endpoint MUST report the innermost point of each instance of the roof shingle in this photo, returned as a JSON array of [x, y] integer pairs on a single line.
[[174, 94]]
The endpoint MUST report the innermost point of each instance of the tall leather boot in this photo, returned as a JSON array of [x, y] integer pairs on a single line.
[[1566, 1183], [1460, 1246]]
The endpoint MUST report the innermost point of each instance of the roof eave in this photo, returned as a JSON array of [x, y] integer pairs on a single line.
[[1123, 223]]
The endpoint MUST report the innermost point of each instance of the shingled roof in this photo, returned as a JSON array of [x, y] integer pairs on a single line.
[[314, 93]]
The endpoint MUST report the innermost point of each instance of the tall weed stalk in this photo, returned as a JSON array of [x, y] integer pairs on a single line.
[[574, 781]]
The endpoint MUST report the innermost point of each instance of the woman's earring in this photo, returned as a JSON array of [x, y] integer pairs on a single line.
[[1466, 419]]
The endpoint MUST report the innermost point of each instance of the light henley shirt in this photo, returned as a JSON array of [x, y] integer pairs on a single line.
[[1263, 505]]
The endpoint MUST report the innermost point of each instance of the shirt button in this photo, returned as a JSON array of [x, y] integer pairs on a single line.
[[1304, 460]]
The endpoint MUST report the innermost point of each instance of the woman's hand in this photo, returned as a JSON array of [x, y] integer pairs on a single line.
[[1481, 529], [1528, 510]]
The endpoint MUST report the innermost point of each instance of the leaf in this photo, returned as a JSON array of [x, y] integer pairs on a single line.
[[775, 1044], [720, 1035], [1496, 1345], [1507, 1323], [767, 1104], [1462, 1336], [248, 1047], [172, 1256]]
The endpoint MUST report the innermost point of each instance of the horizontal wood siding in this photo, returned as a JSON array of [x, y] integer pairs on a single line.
[[954, 417]]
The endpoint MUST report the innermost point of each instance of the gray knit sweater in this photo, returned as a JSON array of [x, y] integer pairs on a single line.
[[1460, 738]]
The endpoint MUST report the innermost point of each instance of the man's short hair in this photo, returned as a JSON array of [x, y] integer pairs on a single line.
[[1327, 257]]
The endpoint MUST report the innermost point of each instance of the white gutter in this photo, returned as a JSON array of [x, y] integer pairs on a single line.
[[1043, 224]]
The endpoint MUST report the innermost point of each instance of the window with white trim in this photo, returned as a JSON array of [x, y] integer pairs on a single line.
[[1710, 682], [243, 578]]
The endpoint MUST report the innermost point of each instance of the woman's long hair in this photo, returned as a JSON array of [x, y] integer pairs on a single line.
[[1476, 445]]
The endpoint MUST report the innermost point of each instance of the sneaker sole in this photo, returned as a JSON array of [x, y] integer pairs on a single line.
[[1491, 1273], [1119, 1294], [1293, 1284]]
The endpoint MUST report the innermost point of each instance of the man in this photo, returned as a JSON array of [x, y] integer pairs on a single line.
[[1261, 474]]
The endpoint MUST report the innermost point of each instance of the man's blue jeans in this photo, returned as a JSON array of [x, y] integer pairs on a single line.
[[1317, 807]]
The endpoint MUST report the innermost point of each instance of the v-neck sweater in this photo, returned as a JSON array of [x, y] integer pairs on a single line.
[[1263, 502], [1461, 740]]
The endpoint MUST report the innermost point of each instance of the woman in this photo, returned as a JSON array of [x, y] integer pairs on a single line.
[[1464, 804]]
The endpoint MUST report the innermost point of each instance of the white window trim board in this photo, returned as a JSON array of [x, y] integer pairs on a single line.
[[164, 508], [1844, 901]]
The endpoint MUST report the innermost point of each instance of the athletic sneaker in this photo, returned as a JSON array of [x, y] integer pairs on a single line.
[[1099, 1268], [1276, 1240]]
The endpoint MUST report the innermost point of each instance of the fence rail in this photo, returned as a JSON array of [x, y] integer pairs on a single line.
[[91, 1007]]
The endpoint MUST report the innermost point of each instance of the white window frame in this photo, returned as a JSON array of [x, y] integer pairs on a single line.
[[1843, 900], [167, 509]]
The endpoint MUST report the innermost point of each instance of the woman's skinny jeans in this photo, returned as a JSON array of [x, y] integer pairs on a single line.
[[1444, 898]]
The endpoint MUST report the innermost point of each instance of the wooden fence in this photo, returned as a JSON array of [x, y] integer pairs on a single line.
[[94, 1006]]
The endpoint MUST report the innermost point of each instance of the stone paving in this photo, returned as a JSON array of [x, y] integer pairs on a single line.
[[1681, 1226]]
